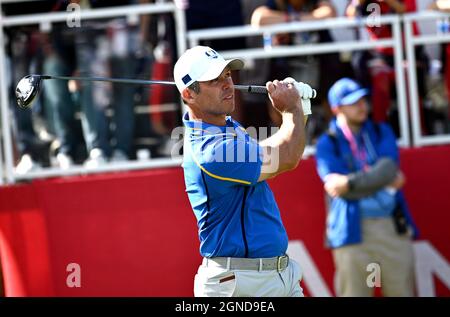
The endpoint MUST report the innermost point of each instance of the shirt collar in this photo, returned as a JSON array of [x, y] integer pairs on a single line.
[[207, 127]]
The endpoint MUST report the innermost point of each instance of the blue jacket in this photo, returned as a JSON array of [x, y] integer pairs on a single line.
[[334, 156]]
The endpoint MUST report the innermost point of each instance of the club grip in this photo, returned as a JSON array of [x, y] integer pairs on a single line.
[[252, 89], [260, 89]]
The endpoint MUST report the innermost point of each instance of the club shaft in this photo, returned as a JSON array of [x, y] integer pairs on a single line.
[[246, 88], [112, 80]]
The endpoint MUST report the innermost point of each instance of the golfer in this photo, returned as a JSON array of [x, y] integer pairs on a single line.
[[242, 238]]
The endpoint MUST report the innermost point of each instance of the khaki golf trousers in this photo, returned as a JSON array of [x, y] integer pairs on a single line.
[[383, 246]]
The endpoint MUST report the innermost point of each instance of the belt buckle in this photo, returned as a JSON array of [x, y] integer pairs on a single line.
[[279, 264]]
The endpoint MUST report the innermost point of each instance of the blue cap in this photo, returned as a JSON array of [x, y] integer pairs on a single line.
[[345, 92]]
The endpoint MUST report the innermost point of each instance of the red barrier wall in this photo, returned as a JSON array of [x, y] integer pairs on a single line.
[[134, 234]]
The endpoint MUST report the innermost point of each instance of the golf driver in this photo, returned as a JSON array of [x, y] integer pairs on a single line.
[[29, 86]]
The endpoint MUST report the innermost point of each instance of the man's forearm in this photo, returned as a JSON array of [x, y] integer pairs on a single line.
[[295, 135], [352, 8], [264, 16], [290, 139], [363, 184], [324, 11], [443, 5]]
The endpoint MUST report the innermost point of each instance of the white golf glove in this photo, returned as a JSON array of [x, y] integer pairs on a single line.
[[306, 93]]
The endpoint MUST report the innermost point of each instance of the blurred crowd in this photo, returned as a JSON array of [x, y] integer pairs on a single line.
[[93, 123]]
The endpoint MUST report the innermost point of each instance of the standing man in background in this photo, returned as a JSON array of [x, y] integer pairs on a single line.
[[242, 238], [368, 220]]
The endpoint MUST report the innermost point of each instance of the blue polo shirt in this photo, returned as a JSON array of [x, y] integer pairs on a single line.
[[237, 216]]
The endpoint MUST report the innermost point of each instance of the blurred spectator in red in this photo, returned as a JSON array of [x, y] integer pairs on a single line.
[[321, 70], [375, 69], [444, 6], [161, 35]]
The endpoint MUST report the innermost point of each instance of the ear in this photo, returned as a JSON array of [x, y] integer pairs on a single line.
[[188, 95]]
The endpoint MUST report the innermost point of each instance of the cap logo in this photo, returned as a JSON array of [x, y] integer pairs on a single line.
[[211, 53], [186, 79]]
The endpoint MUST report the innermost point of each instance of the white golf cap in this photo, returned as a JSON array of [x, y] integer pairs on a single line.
[[201, 63]]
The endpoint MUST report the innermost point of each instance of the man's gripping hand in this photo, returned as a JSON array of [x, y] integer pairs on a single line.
[[284, 97]]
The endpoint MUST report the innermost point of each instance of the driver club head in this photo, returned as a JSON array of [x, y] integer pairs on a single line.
[[27, 89]]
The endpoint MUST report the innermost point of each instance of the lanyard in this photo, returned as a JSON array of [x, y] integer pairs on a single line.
[[359, 152]]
